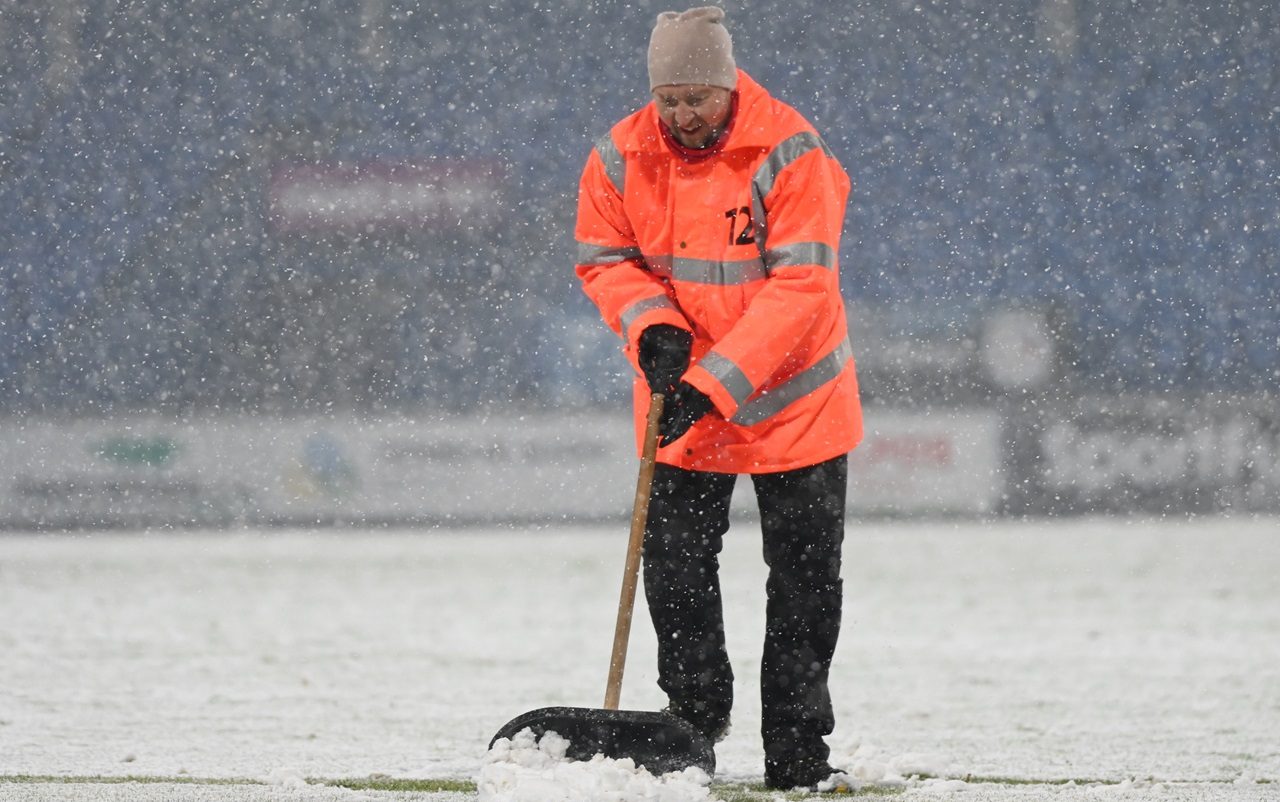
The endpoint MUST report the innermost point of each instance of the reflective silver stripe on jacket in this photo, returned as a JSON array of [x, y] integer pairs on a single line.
[[589, 254], [707, 271], [614, 166], [641, 306], [801, 253], [786, 152], [775, 400], [728, 374]]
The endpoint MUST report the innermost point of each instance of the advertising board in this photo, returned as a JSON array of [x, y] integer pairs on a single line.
[[453, 470], [374, 195], [1156, 456], [928, 461], [311, 471]]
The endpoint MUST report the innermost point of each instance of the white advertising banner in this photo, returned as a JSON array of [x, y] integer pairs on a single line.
[[77, 473], [928, 461]]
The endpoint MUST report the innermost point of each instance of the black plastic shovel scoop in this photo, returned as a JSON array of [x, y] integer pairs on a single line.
[[660, 742]]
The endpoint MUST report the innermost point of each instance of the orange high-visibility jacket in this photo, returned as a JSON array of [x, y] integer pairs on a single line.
[[739, 248]]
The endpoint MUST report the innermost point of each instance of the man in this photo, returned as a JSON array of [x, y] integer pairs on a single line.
[[708, 228]]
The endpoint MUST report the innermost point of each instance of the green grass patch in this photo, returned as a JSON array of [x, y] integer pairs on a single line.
[[756, 792], [58, 779], [1034, 781], [376, 783], [373, 783]]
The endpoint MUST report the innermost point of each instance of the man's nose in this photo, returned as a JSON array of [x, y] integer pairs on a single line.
[[684, 115]]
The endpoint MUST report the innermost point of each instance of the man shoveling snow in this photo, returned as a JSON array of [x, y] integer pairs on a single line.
[[708, 229]]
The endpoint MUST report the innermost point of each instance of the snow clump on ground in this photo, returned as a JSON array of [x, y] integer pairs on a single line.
[[525, 769], [870, 766]]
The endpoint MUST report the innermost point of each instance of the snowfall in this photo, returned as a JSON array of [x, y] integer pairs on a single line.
[[1091, 659]]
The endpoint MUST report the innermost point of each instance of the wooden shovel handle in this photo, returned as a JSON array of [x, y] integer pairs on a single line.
[[639, 515]]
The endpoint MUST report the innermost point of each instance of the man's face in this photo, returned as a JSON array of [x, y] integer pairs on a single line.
[[696, 114]]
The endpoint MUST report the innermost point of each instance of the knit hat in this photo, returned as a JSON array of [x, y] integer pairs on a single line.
[[691, 47]]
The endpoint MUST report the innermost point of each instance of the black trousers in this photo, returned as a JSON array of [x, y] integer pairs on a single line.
[[802, 522]]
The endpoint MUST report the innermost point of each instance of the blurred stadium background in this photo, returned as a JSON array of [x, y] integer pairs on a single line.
[[222, 209]]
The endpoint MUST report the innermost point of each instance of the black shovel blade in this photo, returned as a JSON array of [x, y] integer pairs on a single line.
[[660, 742]]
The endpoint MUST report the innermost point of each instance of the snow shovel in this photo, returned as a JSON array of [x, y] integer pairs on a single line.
[[661, 742]]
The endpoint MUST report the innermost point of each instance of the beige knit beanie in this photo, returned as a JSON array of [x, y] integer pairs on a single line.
[[691, 47]]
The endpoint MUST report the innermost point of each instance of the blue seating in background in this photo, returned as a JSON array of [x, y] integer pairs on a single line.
[[1130, 183]]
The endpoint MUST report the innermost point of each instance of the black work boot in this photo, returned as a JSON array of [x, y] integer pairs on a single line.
[[797, 758], [807, 773]]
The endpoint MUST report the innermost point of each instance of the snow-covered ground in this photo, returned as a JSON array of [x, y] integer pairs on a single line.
[[1142, 653]]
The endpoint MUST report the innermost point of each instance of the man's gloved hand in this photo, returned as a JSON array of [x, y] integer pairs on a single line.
[[684, 408], [664, 356]]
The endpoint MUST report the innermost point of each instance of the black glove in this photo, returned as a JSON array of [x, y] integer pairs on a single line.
[[664, 356], [683, 409]]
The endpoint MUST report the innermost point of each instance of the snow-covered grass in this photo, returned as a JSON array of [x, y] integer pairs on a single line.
[[1005, 660]]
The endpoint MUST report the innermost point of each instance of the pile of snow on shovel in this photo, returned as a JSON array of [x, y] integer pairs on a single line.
[[525, 769]]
